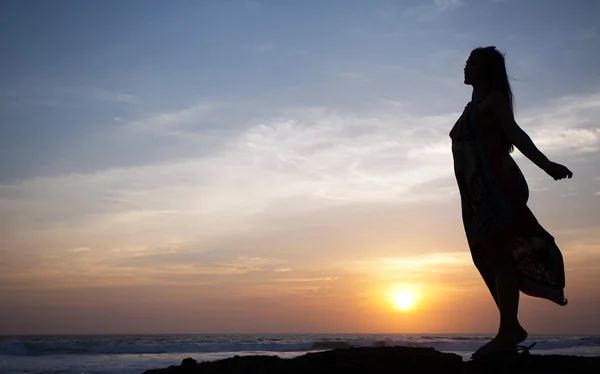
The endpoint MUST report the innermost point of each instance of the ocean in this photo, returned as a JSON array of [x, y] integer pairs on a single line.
[[133, 354]]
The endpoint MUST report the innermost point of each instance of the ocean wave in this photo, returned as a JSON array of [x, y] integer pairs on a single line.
[[52, 348], [47, 346]]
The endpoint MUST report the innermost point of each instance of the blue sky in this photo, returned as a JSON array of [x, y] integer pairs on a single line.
[[82, 64], [219, 143]]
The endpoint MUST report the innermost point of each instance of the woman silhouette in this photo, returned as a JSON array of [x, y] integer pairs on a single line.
[[509, 247]]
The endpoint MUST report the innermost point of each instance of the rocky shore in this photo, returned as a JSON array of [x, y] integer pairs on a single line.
[[401, 360]]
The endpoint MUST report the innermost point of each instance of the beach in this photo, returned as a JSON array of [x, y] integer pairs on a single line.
[[135, 354], [389, 359]]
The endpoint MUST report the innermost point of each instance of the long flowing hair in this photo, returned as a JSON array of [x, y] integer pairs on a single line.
[[495, 77]]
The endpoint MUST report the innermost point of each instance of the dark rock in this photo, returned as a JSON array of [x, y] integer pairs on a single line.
[[401, 360], [236, 364], [330, 345], [377, 360], [534, 364], [188, 361]]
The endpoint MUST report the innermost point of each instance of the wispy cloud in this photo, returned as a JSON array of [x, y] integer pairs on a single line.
[[172, 123], [571, 140], [565, 125], [116, 97], [423, 11], [417, 268], [64, 96], [309, 159], [326, 154], [249, 263], [263, 47], [430, 11], [443, 5], [80, 249], [353, 76], [93, 273], [417, 263], [307, 280]]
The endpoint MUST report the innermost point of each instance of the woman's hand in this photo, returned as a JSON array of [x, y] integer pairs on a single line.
[[557, 171]]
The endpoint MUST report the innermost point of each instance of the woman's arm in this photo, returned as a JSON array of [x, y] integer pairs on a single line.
[[513, 131], [521, 140]]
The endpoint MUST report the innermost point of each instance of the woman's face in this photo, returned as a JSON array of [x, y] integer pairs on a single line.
[[472, 70]]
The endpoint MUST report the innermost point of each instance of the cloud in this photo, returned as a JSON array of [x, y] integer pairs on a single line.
[[64, 96], [142, 266], [430, 11], [93, 273], [353, 76], [424, 262], [249, 263], [308, 280], [445, 258], [331, 156], [115, 97], [151, 211], [303, 160], [282, 270], [176, 123], [80, 249], [568, 140], [443, 5], [446, 269], [263, 47], [425, 11], [566, 125]]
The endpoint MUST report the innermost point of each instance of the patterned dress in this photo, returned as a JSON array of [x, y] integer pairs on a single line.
[[494, 196]]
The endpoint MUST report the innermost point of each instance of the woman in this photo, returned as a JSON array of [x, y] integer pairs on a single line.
[[509, 247]]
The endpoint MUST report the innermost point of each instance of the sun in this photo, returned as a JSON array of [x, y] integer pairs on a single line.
[[404, 297], [404, 300]]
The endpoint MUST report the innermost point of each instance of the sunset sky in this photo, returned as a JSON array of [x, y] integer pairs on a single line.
[[277, 166]]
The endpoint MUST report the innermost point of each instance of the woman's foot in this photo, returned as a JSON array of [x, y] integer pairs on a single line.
[[498, 345], [520, 334], [512, 333], [506, 341]]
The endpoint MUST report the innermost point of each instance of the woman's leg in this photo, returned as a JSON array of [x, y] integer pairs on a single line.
[[500, 277], [507, 291], [492, 284], [488, 276]]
